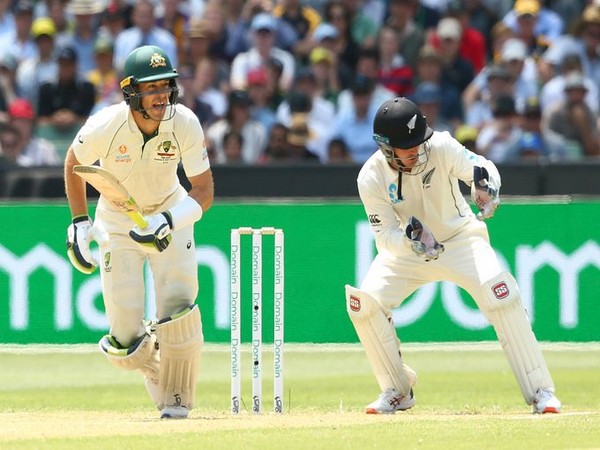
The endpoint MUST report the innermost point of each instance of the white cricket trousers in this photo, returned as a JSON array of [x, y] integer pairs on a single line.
[[468, 260], [174, 272]]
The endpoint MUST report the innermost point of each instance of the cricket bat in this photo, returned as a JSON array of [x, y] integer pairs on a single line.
[[112, 190]]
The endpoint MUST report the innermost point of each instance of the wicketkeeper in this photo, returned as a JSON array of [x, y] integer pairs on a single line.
[[425, 231], [141, 141]]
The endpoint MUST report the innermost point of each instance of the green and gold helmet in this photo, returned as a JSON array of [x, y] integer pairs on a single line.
[[145, 64]]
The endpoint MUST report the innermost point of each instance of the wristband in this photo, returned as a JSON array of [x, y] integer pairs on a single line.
[[80, 218], [185, 213]]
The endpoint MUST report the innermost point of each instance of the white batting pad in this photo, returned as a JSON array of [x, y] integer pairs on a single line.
[[501, 303], [180, 340], [143, 356], [380, 342]]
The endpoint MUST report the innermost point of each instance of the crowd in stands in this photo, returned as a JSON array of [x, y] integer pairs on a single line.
[[300, 80]]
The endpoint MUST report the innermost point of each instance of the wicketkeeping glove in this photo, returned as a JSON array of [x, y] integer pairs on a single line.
[[79, 236], [422, 241], [484, 193], [156, 237]]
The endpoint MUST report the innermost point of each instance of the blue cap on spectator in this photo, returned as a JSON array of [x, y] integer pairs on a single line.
[[264, 21], [531, 142], [427, 92], [325, 31]]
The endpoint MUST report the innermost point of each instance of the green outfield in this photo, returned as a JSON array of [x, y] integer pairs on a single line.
[[57, 397]]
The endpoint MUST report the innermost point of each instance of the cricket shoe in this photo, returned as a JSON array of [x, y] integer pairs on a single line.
[[390, 401], [174, 412], [545, 402]]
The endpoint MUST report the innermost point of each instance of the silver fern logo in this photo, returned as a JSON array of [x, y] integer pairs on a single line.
[[411, 123], [427, 179]]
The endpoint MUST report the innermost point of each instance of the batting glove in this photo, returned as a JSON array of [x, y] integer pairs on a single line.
[[79, 236], [484, 193], [422, 241], [156, 237]]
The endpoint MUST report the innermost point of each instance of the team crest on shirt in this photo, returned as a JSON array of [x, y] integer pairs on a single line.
[[122, 156], [157, 60], [107, 264], [427, 179], [165, 152]]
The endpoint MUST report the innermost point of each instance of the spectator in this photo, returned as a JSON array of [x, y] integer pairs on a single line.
[[43, 67], [499, 139], [8, 84], [355, 125], [204, 90], [337, 14], [113, 20], [401, 17], [298, 137], [7, 21], [467, 136], [522, 70], [274, 73], [362, 27], [394, 73], [214, 17], [479, 104], [499, 35], [65, 103], [83, 35], [529, 14], [9, 139], [303, 19], [319, 112], [530, 147], [457, 71], [429, 70], [534, 143], [104, 77], [144, 32], [233, 142], [29, 150], [277, 147], [327, 37], [238, 119], [472, 43], [554, 89], [240, 36], [260, 95], [21, 44], [479, 15], [367, 67], [428, 97], [176, 21], [337, 152], [323, 64], [201, 38], [573, 119], [55, 10], [263, 32]]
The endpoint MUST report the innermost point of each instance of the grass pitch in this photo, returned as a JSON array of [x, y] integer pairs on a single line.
[[58, 397]]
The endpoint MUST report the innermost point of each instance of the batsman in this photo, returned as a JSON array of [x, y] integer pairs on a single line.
[[425, 231], [141, 141]]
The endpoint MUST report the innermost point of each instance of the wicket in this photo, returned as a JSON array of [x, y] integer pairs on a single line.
[[278, 314]]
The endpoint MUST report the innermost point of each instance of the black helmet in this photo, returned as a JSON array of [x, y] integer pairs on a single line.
[[400, 123]]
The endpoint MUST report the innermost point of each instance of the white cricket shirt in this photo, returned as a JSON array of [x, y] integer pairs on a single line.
[[433, 196], [148, 171]]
